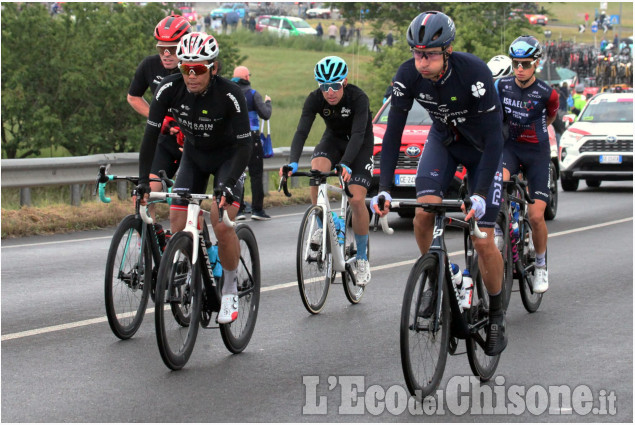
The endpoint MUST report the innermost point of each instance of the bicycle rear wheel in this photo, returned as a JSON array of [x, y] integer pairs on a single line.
[[315, 274], [128, 278], [424, 350], [236, 335], [481, 364], [179, 286], [531, 300], [353, 292]]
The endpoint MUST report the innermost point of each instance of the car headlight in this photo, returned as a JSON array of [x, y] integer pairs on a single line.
[[570, 138]]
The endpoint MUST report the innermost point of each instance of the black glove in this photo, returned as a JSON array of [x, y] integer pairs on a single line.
[[227, 192], [142, 189]]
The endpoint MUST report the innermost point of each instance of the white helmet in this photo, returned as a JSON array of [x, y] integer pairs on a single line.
[[501, 66], [197, 46]]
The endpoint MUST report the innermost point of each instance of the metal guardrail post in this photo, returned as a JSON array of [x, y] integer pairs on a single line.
[[76, 195], [25, 196], [122, 190]]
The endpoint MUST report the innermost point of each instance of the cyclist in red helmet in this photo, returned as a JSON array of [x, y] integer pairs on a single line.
[[149, 74]]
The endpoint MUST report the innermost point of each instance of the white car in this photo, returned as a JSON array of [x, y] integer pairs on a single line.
[[598, 145]]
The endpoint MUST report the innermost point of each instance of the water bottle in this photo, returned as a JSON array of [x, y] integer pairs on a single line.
[[457, 277], [515, 218], [217, 269], [466, 290], [498, 237]]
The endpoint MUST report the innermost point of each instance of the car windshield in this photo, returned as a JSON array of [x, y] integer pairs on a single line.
[[416, 116], [300, 24], [609, 110], [227, 6]]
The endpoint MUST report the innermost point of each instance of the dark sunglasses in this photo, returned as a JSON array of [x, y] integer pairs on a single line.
[[333, 86], [164, 50], [426, 55], [196, 69], [523, 64]]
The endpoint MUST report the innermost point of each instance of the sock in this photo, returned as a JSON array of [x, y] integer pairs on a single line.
[[496, 304], [230, 284], [362, 245], [540, 259]]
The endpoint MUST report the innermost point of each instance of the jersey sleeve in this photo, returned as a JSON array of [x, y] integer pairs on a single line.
[[309, 110], [553, 104], [239, 119], [139, 84], [492, 151], [483, 89], [158, 110], [360, 108]]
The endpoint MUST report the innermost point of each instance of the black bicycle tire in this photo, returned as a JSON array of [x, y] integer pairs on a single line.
[[480, 305], [237, 343], [313, 308], [180, 242], [531, 301], [350, 251], [508, 262], [121, 331], [426, 265]]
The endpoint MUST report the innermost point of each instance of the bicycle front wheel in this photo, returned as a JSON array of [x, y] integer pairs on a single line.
[[425, 331], [314, 262], [128, 278], [531, 300], [481, 364], [354, 293], [508, 261], [178, 296], [236, 335]]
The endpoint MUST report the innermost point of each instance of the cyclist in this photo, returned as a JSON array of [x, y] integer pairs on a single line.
[[347, 140], [501, 66], [530, 106], [150, 73], [458, 92], [212, 113]]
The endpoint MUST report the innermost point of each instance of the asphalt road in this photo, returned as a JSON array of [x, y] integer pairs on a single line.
[[61, 363]]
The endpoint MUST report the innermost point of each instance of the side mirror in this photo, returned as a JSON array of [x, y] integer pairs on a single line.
[[568, 120]]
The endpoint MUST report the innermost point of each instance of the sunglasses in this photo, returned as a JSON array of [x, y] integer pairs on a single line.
[[333, 86], [419, 54], [164, 50], [523, 64], [196, 69]]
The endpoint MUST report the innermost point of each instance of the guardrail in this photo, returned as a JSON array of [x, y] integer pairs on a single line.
[[79, 170]]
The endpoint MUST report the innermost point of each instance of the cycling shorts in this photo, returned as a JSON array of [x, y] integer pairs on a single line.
[[196, 167], [167, 156], [333, 148], [437, 166], [534, 158]]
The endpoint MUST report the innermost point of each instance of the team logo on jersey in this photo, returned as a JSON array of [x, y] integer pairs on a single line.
[[161, 90], [478, 89], [326, 112], [185, 107], [345, 112], [396, 89], [233, 99], [453, 98]]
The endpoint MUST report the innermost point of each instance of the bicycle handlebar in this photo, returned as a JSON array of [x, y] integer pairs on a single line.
[[311, 173], [515, 182], [190, 197], [103, 178]]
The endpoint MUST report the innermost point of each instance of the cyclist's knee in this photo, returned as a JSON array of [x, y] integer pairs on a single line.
[[423, 220]]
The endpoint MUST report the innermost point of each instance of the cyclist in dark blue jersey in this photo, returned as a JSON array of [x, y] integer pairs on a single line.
[[530, 105], [458, 92], [212, 113], [347, 140]]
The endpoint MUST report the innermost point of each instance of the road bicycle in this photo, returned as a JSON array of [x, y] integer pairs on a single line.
[[317, 266], [432, 318], [521, 247], [132, 263], [187, 287]]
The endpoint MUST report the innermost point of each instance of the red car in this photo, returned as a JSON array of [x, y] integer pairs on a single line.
[[414, 137], [259, 19]]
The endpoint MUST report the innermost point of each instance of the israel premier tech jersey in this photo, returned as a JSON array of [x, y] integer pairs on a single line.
[[464, 108], [527, 109]]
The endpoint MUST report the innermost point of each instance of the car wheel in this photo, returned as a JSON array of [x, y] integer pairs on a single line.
[[593, 183], [552, 206], [569, 184]]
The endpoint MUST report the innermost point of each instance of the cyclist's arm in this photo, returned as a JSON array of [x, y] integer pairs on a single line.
[[358, 130], [553, 104], [239, 122], [139, 104], [138, 86], [490, 124], [390, 146], [158, 111], [304, 127]]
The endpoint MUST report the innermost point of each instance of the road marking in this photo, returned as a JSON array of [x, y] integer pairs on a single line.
[[270, 288]]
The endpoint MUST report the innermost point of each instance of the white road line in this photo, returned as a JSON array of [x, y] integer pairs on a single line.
[[81, 323]]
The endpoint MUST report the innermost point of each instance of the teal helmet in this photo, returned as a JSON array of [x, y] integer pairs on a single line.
[[330, 69]]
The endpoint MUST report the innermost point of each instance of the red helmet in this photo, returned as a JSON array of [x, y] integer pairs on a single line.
[[172, 28]]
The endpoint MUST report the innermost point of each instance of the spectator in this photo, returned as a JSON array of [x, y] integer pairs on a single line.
[[389, 39], [564, 95], [252, 23], [616, 41], [332, 31], [579, 100], [320, 30], [351, 32], [208, 22], [342, 34], [603, 44], [224, 23], [232, 19], [376, 44], [256, 109], [586, 19]]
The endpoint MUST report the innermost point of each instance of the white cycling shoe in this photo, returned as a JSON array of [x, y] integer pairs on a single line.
[[541, 280], [228, 309], [362, 275]]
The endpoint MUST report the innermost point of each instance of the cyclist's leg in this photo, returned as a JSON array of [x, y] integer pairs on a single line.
[[189, 175], [434, 174], [510, 161], [164, 159], [325, 155]]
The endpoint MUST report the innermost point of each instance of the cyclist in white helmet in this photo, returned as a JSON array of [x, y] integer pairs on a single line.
[[501, 66]]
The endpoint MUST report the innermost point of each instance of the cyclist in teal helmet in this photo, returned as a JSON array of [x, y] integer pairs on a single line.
[[347, 140]]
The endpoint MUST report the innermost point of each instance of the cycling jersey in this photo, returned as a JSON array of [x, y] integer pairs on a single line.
[[349, 120], [150, 73], [211, 121], [526, 109], [463, 106]]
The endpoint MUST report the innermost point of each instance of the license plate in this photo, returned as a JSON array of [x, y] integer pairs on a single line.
[[610, 159], [406, 180]]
